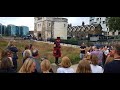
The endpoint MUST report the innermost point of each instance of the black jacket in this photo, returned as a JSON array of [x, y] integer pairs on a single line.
[[14, 50]]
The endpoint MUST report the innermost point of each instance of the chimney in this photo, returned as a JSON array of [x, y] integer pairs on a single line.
[[83, 23]]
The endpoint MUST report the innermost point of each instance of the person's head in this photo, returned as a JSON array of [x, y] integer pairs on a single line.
[[97, 47], [94, 59], [28, 66], [26, 47], [27, 54], [35, 53], [116, 51], [6, 63], [111, 53], [106, 48], [45, 65], [58, 39], [12, 43], [9, 53], [6, 53], [93, 47], [83, 67], [66, 63], [3, 54], [83, 44], [101, 47]]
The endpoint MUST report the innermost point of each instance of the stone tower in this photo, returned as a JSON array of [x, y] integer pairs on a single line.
[[50, 27], [47, 27], [43, 27]]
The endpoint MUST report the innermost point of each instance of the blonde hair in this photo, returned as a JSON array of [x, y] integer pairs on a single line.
[[65, 62], [26, 66], [83, 67], [45, 65]]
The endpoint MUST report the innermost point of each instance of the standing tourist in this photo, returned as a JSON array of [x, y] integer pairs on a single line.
[[82, 51], [13, 48], [114, 65]]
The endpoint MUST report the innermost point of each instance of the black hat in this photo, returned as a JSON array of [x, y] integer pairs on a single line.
[[58, 37]]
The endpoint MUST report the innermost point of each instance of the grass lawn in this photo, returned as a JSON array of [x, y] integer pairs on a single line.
[[45, 49]]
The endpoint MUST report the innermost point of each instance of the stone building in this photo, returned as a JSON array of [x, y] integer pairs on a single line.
[[50, 27]]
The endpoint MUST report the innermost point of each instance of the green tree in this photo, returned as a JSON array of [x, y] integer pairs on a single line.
[[113, 23]]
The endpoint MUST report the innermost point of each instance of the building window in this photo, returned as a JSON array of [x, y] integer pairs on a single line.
[[64, 25], [113, 33], [103, 22], [49, 24], [97, 19]]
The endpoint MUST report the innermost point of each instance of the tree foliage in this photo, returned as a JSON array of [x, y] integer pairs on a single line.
[[113, 23]]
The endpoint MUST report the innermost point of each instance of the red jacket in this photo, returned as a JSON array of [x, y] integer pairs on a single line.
[[57, 49]]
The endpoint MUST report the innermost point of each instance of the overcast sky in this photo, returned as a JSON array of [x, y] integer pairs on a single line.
[[29, 21]]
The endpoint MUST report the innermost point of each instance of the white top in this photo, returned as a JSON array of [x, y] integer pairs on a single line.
[[65, 70], [96, 69], [106, 52]]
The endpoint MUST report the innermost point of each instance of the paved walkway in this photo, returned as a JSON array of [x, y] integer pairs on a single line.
[[62, 44]]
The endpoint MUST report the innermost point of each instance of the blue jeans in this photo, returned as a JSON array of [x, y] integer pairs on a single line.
[[82, 56]]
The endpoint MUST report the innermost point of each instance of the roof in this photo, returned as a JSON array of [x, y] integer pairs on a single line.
[[96, 25]]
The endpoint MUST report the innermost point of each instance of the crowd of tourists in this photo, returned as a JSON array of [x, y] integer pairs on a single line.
[[93, 59]]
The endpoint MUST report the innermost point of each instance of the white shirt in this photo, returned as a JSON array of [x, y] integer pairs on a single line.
[[96, 69], [65, 70], [106, 52]]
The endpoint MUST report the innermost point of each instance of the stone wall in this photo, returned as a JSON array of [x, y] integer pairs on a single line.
[[60, 30]]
